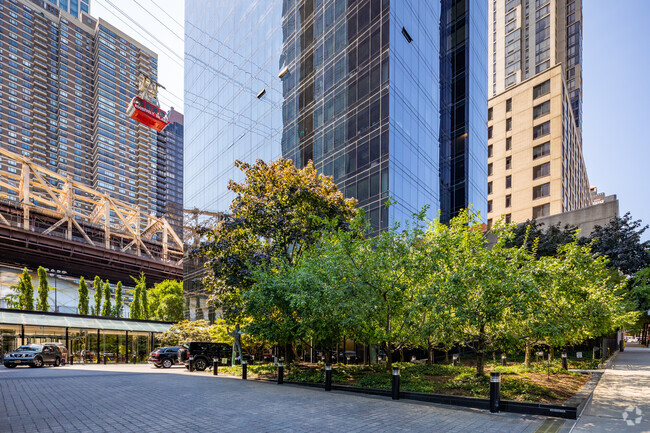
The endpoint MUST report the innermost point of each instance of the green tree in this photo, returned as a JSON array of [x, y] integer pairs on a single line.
[[138, 308], [83, 297], [135, 309], [278, 211], [166, 301], [119, 300], [13, 298], [97, 286], [43, 290], [620, 241], [26, 291], [107, 308], [548, 240], [186, 331]]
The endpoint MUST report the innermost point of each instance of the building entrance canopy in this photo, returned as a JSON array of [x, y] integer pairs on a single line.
[[13, 317]]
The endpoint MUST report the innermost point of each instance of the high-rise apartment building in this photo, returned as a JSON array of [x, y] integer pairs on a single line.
[[169, 172], [387, 97], [73, 7], [65, 85], [535, 161]]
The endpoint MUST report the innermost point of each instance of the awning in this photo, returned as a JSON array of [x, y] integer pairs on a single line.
[[72, 321]]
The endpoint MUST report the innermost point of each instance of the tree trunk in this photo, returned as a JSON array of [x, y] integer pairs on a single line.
[[389, 356], [551, 354], [447, 356], [480, 355], [430, 358], [401, 355], [527, 356]]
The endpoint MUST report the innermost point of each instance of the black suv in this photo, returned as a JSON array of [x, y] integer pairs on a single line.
[[164, 357], [34, 355], [202, 354]]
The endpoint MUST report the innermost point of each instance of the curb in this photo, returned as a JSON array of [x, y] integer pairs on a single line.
[[570, 409]]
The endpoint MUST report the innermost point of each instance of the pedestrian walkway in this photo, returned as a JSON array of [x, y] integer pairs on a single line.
[[621, 401]]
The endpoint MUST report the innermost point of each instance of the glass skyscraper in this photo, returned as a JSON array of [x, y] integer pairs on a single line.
[[354, 86]]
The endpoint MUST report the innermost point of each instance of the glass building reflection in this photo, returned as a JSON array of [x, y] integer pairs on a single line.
[[354, 86]]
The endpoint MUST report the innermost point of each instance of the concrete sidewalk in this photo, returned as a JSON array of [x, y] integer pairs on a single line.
[[622, 396]]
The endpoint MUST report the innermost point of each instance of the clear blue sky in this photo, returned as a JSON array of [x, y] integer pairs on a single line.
[[616, 90]]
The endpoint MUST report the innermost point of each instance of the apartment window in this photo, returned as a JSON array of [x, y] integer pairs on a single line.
[[508, 162], [489, 205], [508, 218], [541, 150], [541, 170], [508, 105], [489, 132], [542, 210], [543, 190], [542, 109], [508, 200], [508, 181], [489, 187], [508, 143], [542, 89], [489, 223], [542, 129], [490, 149], [509, 124], [489, 113], [490, 169]]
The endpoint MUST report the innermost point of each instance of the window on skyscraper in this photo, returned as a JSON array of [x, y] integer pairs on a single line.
[[541, 150], [508, 162], [542, 210], [542, 170], [541, 109], [509, 124], [508, 200], [542, 89], [508, 181], [543, 190], [542, 129], [508, 105]]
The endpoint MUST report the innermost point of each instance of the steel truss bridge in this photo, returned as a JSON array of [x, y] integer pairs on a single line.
[[50, 220]]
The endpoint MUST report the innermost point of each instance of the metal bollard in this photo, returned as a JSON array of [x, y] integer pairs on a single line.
[[565, 361], [621, 345], [215, 366], [395, 383], [105, 359], [328, 378], [191, 365], [280, 374], [503, 360], [495, 392], [71, 359], [244, 370]]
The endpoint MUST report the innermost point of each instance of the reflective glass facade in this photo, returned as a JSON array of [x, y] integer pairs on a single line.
[[232, 54], [354, 86]]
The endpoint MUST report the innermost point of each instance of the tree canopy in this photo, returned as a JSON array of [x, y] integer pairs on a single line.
[[166, 301], [278, 211]]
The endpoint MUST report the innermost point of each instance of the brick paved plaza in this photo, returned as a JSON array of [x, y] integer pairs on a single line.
[[120, 398]]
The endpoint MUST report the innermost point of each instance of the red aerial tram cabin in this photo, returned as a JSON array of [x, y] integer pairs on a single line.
[[147, 113]]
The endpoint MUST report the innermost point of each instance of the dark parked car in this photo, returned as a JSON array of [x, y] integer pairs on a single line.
[[34, 355], [203, 353], [164, 357]]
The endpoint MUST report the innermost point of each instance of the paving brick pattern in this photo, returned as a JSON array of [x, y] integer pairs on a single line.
[[138, 398]]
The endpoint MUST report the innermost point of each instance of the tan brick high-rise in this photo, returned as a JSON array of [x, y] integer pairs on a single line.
[[535, 162]]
